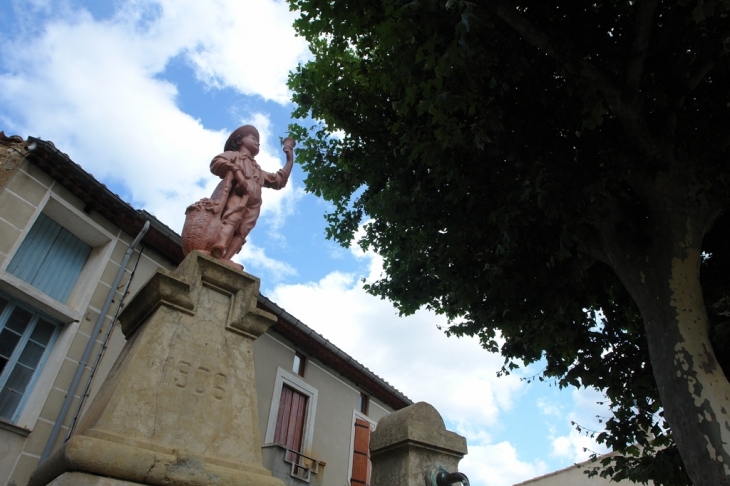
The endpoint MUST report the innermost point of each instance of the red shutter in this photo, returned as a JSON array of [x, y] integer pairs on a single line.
[[361, 454], [290, 421]]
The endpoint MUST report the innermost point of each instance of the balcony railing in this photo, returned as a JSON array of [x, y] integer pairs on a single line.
[[302, 466]]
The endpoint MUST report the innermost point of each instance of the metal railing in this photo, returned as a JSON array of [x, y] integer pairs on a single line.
[[303, 466]]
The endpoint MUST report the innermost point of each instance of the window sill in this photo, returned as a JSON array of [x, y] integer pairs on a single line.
[[34, 297], [283, 447], [14, 428]]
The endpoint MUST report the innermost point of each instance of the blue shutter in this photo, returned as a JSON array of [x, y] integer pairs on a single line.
[[50, 259], [27, 261]]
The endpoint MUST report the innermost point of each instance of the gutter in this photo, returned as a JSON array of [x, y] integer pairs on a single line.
[[161, 227], [97, 197]]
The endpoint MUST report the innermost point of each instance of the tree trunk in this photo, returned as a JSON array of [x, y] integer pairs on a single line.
[[694, 390], [663, 278]]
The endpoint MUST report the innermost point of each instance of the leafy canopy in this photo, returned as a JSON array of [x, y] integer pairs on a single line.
[[482, 144]]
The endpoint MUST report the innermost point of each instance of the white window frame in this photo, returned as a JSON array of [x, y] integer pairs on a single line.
[[83, 227], [41, 364], [356, 415], [102, 244], [295, 382]]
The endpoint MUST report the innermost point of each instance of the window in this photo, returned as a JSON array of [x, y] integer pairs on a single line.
[[26, 337], [299, 362], [50, 259], [361, 465], [290, 421], [364, 402], [292, 413]]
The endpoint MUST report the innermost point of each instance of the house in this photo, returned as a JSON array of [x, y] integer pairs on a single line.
[[574, 475], [69, 260]]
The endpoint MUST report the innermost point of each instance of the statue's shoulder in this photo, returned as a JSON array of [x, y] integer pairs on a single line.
[[227, 155]]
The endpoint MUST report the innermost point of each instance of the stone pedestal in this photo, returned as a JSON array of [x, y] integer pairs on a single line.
[[83, 479], [179, 406], [410, 445]]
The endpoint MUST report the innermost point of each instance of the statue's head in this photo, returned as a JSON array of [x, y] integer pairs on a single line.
[[234, 140]]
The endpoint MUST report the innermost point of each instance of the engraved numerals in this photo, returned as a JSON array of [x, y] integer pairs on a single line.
[[200, 380]]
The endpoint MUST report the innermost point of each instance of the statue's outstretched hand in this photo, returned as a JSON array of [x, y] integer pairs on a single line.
[[288, 147]]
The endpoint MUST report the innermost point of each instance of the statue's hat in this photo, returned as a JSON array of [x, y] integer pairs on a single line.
[[244, 130]]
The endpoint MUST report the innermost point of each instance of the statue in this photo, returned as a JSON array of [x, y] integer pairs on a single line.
[[219, 225]]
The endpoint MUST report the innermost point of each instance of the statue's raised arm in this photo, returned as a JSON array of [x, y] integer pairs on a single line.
[[220, 224]]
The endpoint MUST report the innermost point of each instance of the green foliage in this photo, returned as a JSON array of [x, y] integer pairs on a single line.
[[482, 159]]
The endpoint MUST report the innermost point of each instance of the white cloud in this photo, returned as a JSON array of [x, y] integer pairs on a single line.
[[454, 375], [93, 84], [254, 258], [93, 88], [498, 465], [577, 446], [548, 407], [255, 55]]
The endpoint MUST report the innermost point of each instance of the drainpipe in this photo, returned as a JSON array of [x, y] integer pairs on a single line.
[[102, 348], [89, 346]]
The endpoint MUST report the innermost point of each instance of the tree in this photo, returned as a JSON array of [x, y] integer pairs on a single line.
[[527, 165]]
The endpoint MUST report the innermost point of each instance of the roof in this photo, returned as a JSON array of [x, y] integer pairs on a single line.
[[590, 463], [306, 338], [97, 197]]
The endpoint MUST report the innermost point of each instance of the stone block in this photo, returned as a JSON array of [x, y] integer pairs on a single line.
[[37, 174], [53, 406], [67, 372], [14, 210], [407, 445], [27, 188], [82, 479], [23, 470], [38, 438], [9, 234], [88, 322], [119, 250], [100, 295], [110, 272], [179, 406], [76, 351], [145, 270], [11, 445]]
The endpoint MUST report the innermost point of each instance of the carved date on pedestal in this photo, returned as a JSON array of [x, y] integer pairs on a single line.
[[200, 380]]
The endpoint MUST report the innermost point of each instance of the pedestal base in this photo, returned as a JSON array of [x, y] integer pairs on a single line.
[[179, 406], [83, 479], [129, 465]]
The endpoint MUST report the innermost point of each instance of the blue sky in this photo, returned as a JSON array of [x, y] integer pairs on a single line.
[[143, 93]]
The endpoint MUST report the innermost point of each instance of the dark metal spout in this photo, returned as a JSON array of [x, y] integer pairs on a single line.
[[447, 479]]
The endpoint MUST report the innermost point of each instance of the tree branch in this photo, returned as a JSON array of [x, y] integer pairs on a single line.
[[644, 18], [595, 247], [629, 113]]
